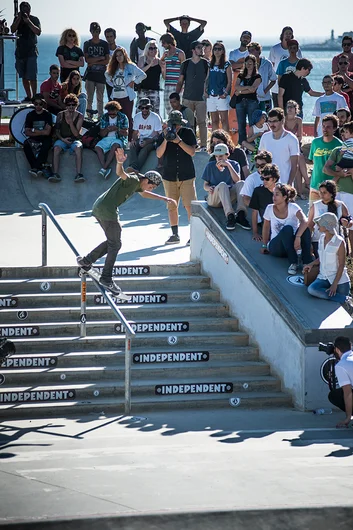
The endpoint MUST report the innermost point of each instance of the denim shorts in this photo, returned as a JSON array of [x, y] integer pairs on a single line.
[[27, 68], [66, 147], [107, 143]]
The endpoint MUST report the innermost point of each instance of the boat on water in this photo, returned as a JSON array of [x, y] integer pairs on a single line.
[[333, 43]]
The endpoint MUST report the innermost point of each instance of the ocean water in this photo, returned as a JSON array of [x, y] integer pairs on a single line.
[[47, 45]]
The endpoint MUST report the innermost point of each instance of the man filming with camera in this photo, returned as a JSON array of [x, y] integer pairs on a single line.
[[177, 146], [342, 397]]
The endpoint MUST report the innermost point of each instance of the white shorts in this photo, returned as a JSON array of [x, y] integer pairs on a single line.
[[214, 103], [347, 198]]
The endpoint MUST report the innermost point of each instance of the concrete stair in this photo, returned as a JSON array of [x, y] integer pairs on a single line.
[[55, 372]]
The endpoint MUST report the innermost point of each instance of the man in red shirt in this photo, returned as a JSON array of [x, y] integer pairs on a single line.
[[343, 70], [347, 43], [50, 89]]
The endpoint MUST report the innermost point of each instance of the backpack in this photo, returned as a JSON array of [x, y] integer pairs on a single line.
[[91, 137]]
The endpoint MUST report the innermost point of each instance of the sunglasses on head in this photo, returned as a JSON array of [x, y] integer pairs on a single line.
[[265, 178]]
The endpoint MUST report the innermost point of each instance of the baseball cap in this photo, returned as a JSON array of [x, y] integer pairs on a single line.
[[154, 177], [246, 32], [220, 149], [176, 118], [195, 43], [327, 220], [94, 25]]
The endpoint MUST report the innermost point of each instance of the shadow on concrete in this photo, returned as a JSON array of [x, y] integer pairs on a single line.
[[6, 440]]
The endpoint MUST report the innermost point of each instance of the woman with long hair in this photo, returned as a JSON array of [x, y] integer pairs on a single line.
[[122, 74], [294, 124], [219, 84], [244, 99], [150, 63], [69, 53], [207, 49], [327, 203], [285, 230], [73, 85], [236, 153]]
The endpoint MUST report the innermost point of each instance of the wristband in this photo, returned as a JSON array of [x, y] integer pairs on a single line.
[[263, 246]]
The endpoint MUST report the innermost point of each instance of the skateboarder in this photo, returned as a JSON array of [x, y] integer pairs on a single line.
[[105, 210]]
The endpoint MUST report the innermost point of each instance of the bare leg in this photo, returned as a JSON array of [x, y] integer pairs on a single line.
[[110, 155], [303, 170], [248, 145], [188, 211], [27, 87], [215, 120], [100, 155], [173, 217], [78, 154], [224, 120], [350, 236], [56, 154], [33, 84], [298, 183]]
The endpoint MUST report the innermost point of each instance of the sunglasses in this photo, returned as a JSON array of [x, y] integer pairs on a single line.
[[38, 104], [71, 35], [144, 108], [217, 49], [265, 178], [347, 44], [260, 165], [342, 62], [71, 104], [152, 48]]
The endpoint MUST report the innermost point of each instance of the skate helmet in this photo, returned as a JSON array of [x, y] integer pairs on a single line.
[[154, 177]]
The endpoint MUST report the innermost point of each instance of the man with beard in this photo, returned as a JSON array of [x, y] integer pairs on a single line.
[[237, 56]]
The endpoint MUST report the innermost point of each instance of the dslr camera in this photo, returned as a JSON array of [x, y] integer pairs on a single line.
[[171, 133]]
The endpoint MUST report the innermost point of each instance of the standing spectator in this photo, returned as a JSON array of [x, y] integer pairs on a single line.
[[152, 66], [28, 29], [223, 184], [172, 57], [97, 56], [347, 75], [320, 150], [244, 99], [138, 45], [236, 153], [254, 179], [68, 126], [219, 85], [178, 169], [110, 37], [277, 53], [263, 196], [338, 83], [327, 104], [347, 43], [51, 89], [122, 74], [285, 231], [207, 49], [289, 63], [113, 130], [283, 145], [194, 73], [73, 85], [184, 38], [38, 128], [294, 124], [293, 84], [237, 56], [69, 53], [187, 113], [147, 127], [268, 77]]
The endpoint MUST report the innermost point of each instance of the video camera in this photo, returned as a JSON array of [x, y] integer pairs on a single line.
[[328, 348], [6, 348], [171, 133]]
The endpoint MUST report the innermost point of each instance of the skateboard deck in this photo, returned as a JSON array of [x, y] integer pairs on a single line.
[[94, 275], [232, 115]]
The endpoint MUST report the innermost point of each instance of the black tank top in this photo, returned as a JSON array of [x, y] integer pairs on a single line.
[[152, 80]]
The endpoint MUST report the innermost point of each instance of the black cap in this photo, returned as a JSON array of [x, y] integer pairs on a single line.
[[94, 25], [195, 43]]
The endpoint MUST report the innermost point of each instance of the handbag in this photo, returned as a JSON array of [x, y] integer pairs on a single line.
[[310, 277]]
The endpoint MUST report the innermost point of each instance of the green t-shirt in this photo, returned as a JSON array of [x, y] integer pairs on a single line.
[[344, 183], [106, 206], [319, 153]]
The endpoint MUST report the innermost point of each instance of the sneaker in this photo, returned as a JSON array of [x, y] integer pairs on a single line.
[[348, 305], [40, 173], [107, 173], [242, 221], [173, 239], [231, 222], [33, 173], [292, 269], [102, 172], [54, 177], [79, 178], [110, 285], [83, 263]]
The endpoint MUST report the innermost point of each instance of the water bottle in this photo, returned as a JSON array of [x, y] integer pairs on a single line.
[[320, 412]]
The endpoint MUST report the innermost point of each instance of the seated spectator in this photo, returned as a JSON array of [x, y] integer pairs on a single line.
[[236, 153], [344, 116], [223, 184], [294, 84], [338, 83], [69, 53], [114, 131], [328, 203], [332, 282], [51, 88], [187, 113], [38, 128], [147, 127], [285, 231], [294, 124], [262, 197], [73, 85], [68, 126], [254, 179], [150, 64], [218, 87], [207, 49], [260, 126], [122, 74], [184, 38]]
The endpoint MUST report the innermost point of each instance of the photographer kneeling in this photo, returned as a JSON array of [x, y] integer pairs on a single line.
[[342, 397]]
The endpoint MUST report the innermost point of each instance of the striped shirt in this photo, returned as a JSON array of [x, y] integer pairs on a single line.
[[172, 68]]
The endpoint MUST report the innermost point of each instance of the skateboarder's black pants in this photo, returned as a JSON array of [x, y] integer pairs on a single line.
[[37, 162], [111, 247]]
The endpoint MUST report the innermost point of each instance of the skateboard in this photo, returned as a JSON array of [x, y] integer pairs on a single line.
[[232, 115], [94, 275]]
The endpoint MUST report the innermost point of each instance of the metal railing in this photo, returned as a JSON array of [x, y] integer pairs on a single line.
[[129, 332]]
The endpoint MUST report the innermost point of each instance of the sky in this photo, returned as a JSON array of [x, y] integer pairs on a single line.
[[308, 19]]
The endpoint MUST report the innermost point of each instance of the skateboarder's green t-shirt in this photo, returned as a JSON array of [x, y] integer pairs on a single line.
[[106, 206]]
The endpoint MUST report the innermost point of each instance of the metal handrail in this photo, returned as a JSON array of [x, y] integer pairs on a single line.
[[129, 332]]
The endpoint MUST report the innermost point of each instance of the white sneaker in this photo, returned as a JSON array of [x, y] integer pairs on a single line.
[[292, 269], [107, 173], [102, 172]]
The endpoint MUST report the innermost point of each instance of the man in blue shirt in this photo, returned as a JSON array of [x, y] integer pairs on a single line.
[[223, 184]]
